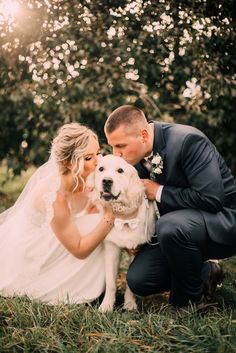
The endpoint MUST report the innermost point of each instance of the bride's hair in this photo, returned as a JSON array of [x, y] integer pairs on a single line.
[[69, 146]]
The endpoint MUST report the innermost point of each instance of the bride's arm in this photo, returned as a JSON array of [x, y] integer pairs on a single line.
[[67, 232]]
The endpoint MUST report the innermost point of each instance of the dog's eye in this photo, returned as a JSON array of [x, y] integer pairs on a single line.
[[120, 170], [101, 169]]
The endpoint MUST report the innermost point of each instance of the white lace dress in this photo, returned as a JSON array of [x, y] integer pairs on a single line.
[[34, 263]]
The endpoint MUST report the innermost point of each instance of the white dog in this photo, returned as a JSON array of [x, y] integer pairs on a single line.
[[117, 184]]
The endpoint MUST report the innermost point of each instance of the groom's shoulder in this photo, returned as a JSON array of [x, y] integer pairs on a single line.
[[179, 130]]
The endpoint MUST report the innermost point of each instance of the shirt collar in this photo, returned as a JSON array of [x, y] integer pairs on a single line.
[[147, 158]]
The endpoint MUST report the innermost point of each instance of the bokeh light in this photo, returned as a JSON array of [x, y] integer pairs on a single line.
[[8, 10]]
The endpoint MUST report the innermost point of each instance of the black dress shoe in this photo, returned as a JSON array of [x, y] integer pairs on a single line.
[[216, 277]]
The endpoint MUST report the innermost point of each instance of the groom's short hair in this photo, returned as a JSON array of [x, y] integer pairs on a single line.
[[127, 115]]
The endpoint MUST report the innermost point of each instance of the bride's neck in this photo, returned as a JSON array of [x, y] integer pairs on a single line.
[[77, 200]]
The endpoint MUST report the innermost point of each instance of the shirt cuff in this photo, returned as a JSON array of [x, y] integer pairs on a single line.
[[159, 192]]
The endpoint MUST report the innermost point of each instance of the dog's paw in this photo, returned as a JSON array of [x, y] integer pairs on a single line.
[[106, 306], [130, 305]]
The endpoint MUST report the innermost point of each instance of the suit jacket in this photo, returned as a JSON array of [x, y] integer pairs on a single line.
[[195, 176]]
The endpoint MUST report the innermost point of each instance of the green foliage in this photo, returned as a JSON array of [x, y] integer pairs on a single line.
[[77, 60], [11, 186]]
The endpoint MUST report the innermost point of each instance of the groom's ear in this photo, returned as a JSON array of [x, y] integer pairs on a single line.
[[144, 135]]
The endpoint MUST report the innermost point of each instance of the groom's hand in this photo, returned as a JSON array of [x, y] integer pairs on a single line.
[[151, 188], [133, 252]]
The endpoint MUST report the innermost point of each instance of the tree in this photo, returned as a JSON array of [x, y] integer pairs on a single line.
[[78, 60]]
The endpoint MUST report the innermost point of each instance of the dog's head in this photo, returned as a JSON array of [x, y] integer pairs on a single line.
[[117, 182]]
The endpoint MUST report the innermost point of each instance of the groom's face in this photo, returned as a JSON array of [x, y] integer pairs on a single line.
[[127, 144]]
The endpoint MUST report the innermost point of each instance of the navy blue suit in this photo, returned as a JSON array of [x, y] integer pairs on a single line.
[[198, 215]]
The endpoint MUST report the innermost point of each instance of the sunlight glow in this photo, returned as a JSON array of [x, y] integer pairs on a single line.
[[8, 10]]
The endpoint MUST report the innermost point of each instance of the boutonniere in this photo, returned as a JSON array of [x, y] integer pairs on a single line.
[[157, 164]]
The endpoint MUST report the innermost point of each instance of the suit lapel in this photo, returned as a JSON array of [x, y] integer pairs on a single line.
[[142, 171], [159, 147]]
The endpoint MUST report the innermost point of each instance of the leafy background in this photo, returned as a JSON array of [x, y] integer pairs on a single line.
[[62, 61], [78, 60]]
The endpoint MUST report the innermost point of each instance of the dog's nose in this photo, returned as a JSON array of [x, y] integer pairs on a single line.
[[107, 184]]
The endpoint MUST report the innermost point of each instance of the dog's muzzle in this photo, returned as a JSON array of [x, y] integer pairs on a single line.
[[106, 193], [107, 184]]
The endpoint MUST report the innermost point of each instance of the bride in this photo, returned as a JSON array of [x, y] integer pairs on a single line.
[[51, 239]]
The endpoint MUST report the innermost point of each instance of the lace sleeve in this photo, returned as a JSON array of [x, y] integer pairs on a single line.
[[41, 205]]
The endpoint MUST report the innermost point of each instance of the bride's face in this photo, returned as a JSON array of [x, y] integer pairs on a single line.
[[91, 157]]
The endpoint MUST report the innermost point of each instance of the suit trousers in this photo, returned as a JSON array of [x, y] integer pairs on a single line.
[[177, 261]]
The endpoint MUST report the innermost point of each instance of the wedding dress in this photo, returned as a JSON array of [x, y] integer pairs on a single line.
[[33, 262]]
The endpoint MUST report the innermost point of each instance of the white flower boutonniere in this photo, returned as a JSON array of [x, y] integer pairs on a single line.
[[157, 164]]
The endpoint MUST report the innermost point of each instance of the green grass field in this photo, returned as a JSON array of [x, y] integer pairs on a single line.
[[28, 326]]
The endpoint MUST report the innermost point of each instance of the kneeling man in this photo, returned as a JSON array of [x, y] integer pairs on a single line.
[[196, 195]]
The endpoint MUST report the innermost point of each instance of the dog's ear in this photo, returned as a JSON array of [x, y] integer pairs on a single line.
[[136, 189], [90, 181]]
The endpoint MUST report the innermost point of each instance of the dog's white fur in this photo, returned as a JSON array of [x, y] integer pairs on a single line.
[[130, 203]]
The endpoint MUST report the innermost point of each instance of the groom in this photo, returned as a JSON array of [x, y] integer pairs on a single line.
[[196, 195]]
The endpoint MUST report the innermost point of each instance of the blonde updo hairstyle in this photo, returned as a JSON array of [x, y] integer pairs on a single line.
[[69, 146]]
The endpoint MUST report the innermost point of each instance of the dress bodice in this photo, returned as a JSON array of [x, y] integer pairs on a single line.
[[86, 222]]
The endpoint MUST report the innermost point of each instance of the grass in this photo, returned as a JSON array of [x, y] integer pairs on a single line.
[[29, 326], [10, 186]]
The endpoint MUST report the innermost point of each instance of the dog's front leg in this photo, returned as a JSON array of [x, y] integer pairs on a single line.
[[112, 259], [130, 301]]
